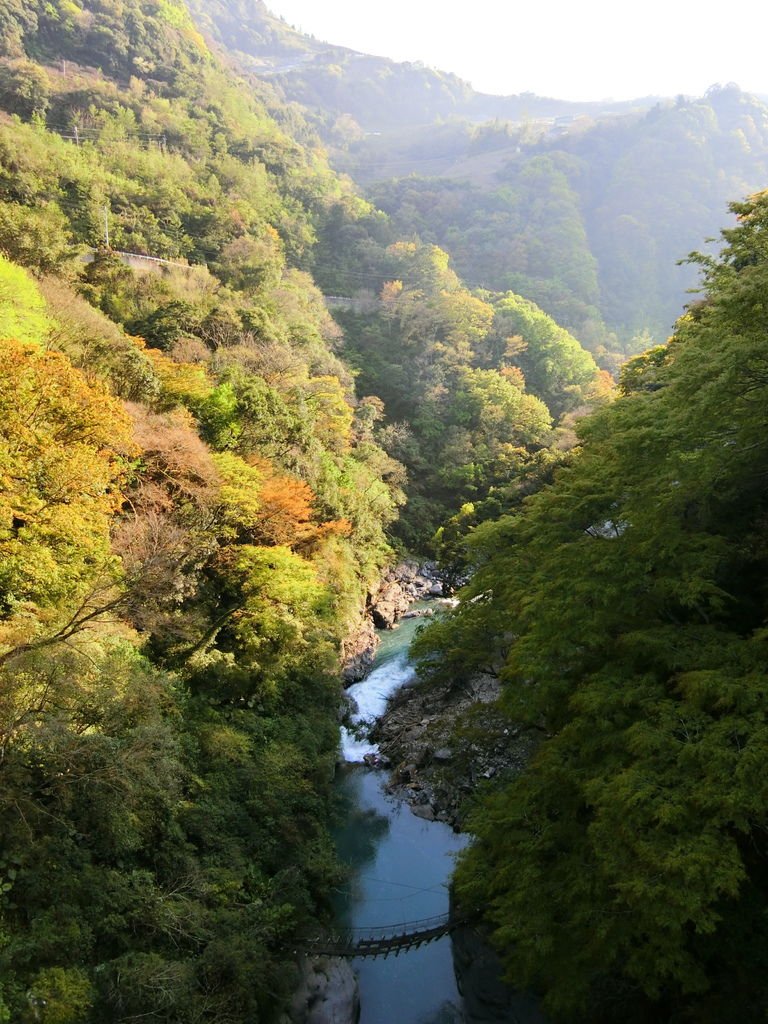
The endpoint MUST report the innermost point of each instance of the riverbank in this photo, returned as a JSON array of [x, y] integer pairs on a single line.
[[442, 742]]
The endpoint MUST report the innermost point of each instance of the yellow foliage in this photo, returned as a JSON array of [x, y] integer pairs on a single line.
[[181, 382], [333, 414], [63, 444], [391, 292], [240, 493]]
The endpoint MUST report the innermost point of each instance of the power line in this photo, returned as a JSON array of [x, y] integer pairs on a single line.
[[401, 885], [97, 132]]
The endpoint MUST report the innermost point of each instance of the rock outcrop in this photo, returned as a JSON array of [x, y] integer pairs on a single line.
[[434, 770], [479, 975], [389, 602], [358, 652], [327, 993], [400, 587]]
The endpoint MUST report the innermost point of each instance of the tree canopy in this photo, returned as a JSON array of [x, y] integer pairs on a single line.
[[623, 872]]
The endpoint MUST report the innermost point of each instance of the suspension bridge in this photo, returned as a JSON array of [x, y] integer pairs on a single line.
[[372, 942]]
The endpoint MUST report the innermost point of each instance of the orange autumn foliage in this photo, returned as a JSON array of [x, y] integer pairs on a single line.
[[287, 510]]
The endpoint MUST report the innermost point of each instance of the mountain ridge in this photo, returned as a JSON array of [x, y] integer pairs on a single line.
[[341, 76]]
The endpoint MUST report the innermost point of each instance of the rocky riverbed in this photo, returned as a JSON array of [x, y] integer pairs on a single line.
[[441, 742]]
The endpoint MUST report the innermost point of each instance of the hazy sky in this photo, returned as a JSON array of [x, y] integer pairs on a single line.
[[591, 49]]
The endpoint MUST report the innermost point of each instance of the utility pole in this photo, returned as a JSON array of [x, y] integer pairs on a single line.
[[77, 136], [106, 226]]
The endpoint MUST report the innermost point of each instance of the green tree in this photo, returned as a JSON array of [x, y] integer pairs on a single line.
[[24, 89], [36, 238], [623, 872], [555, 366]]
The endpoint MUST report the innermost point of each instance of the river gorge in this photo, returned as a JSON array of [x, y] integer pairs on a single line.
[[400, 864], [400, 860]]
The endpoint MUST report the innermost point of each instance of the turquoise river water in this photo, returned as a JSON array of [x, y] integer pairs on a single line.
[[400, 865]]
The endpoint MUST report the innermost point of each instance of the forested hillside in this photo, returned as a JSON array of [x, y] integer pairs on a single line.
[[584, 209], [192, 510], [476, 387], [623, 873], [588, 222]]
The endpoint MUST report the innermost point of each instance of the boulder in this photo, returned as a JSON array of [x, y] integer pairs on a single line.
[[389, 604], [425, 811], [327, 993], [376, 761]]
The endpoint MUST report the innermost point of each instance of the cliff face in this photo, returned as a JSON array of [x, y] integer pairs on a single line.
[[390, 601], [327, 993], [487, 999], [358, 651]]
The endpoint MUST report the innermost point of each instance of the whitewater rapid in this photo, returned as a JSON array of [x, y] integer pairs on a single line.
[[370, 700]]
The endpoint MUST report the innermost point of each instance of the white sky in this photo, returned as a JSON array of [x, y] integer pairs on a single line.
[[570, 49]]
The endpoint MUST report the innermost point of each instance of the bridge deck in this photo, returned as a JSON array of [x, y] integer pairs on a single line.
[[373, 942]]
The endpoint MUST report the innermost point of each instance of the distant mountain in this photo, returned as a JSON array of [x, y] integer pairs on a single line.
[[376, 92], [588, 220]]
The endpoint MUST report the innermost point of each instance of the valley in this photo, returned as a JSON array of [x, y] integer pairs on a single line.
[[292, 336]]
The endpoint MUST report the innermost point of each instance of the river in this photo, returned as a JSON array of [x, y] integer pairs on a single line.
[[400, 865]]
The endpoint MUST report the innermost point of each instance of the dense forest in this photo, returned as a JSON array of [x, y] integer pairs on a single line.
[[623, 607], [234, 390], [589, 223]]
